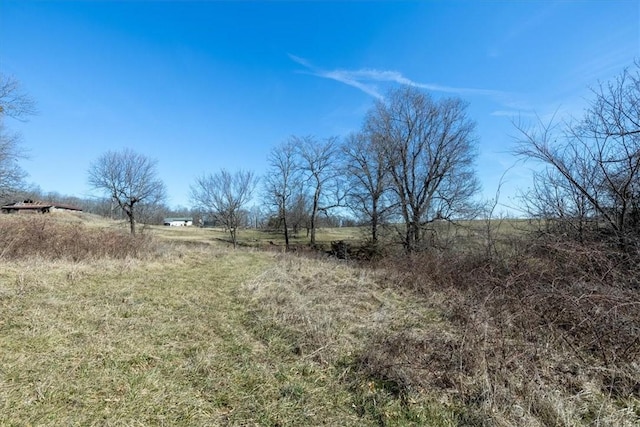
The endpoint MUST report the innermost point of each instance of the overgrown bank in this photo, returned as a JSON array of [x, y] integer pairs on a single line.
[[66, 237], [547, 336]]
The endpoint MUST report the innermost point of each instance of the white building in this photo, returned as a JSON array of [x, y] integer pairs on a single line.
[[178, 222]]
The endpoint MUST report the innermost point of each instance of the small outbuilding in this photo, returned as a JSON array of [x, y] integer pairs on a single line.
[[178, 222]]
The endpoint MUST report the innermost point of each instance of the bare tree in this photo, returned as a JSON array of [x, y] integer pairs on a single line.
[[430, 147], [130, 180], [318, 165], [282, 183], [11, 174], [17, 104], [14, 101], [592, 165], [368, 181], [299, 213], [560, 204], [224, 196]]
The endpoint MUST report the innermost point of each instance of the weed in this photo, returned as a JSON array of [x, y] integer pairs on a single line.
[[49, 238]]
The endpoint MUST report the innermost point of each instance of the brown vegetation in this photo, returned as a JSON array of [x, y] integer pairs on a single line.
[[101, 327], [22, 237], [545, 333], [541, 336]]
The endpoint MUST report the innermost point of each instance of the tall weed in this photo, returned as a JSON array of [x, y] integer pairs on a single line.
[[547, 333], [43, 236]]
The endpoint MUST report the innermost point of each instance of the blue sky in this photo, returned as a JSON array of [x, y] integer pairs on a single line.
[[205, 85]]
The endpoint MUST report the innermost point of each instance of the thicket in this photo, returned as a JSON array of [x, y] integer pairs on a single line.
[[519, 329], [545, 329], [46, 237], [545, 324]]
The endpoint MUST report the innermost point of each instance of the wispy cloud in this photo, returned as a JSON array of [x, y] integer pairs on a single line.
[[368, 80], [341, 76]]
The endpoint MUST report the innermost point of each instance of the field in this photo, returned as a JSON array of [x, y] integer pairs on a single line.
[[255, 238], [184, 331]]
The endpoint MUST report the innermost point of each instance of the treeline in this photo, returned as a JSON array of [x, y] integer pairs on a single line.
[[409, 165], [255, 216], [412, 163]]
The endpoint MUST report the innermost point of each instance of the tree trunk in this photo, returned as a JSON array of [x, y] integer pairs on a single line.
[[232, 232], [374, 222], [132, 219], [312, 231], [314, 214], [374, 229], [286, 232]]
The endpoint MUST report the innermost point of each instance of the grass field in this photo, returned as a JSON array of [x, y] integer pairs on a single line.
[[192, 333], [181, 339], [255, 238]]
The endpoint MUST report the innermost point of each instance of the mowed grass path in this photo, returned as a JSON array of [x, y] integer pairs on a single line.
[[163, 342], [129, 343], [117, 343]]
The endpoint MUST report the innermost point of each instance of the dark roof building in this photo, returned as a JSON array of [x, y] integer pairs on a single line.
[[37, 207]]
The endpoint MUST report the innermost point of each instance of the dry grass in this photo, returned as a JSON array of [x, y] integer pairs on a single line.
[[184, 331], [65, 237], [130, 343], [169, 338], [549, 336], [325, 313]]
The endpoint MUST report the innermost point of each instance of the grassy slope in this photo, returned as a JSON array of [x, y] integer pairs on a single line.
[[180, 340], [124, 342], [203, 335], [255, 238]]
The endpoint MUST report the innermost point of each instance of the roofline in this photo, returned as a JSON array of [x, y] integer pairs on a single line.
[[39, 207]]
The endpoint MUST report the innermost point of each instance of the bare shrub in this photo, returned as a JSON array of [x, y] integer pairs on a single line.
[[45, 237], [535, 335]]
